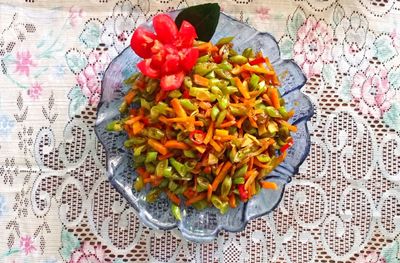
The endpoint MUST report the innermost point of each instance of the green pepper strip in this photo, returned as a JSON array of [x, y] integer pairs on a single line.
[[179, 167], [176, 212], [151, 157], [220, 118], [187, 104], [241, 171]]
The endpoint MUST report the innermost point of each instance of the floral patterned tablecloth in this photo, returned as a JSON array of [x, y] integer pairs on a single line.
[[57, 206]]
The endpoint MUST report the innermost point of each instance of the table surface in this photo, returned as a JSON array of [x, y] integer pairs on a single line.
[[56, 204]]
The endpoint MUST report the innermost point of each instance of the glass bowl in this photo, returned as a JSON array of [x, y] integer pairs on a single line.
[[203, 226]]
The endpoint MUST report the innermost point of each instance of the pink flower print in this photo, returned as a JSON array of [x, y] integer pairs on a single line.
[[88, 254], [75, 14], [370, 258], [35, 91], [372, 91], [313, 46], [89, 78], [26, 244], [23, 63], [89, 83], [263, 12]]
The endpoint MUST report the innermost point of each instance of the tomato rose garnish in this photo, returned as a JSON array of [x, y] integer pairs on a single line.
[[168, 53]]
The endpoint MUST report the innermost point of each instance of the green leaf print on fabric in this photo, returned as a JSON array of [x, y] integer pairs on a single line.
[[392, 116], [384, 49], [394, 78], [344, 90], [76, 60], [295, 22], [69, 244], [91, 34], [338, 14], [286, 47], [329, 73], [391, 252], [78, 101]]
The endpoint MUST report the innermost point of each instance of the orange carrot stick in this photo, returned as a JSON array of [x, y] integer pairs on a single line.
[[204, 47], [129, 97], [158, 146], [218, 179], [251, 179], [143, 173], [164, 157], [174, 144], [251, 163], [274, 96], [196, 198], [228, 124], [179, 110], [173, 197], [216, 146], [133, 120], [209, 192], [242, 88], [267, 99], [199, 80], [209, 134], [269, 185], [232, 201], [240, 121], [260, 164], [137, 127]]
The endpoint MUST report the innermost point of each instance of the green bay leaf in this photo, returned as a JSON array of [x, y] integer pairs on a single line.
[[203, 17]]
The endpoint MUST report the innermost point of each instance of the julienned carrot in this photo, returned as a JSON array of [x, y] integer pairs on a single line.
[[133, 120], [173, 197], [290, 127], [274, 96], [242, 88], [209, 192], [269, 185], [157, 146], [240, 122], [174, 144], [267, 99], [232, 201], [253, 123], [210, 133], [189, 193], [199, 80], [205, 105], [164, 157], [161, 95], [250, 180], [225, 138], [137, 127], [251, 163], [228, 124], [216, 146], [196, 198], [204, 46], [218, 179], [129, 97], [179, 110], [143, 173], [260, 164]]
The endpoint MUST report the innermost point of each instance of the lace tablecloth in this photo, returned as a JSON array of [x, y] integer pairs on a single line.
[[56, 204]]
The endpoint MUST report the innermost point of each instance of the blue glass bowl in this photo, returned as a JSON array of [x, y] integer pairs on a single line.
[[203, 226]]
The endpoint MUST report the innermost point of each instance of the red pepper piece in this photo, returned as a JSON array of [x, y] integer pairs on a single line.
[[197, 137], [257, 61], [242, 192]]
